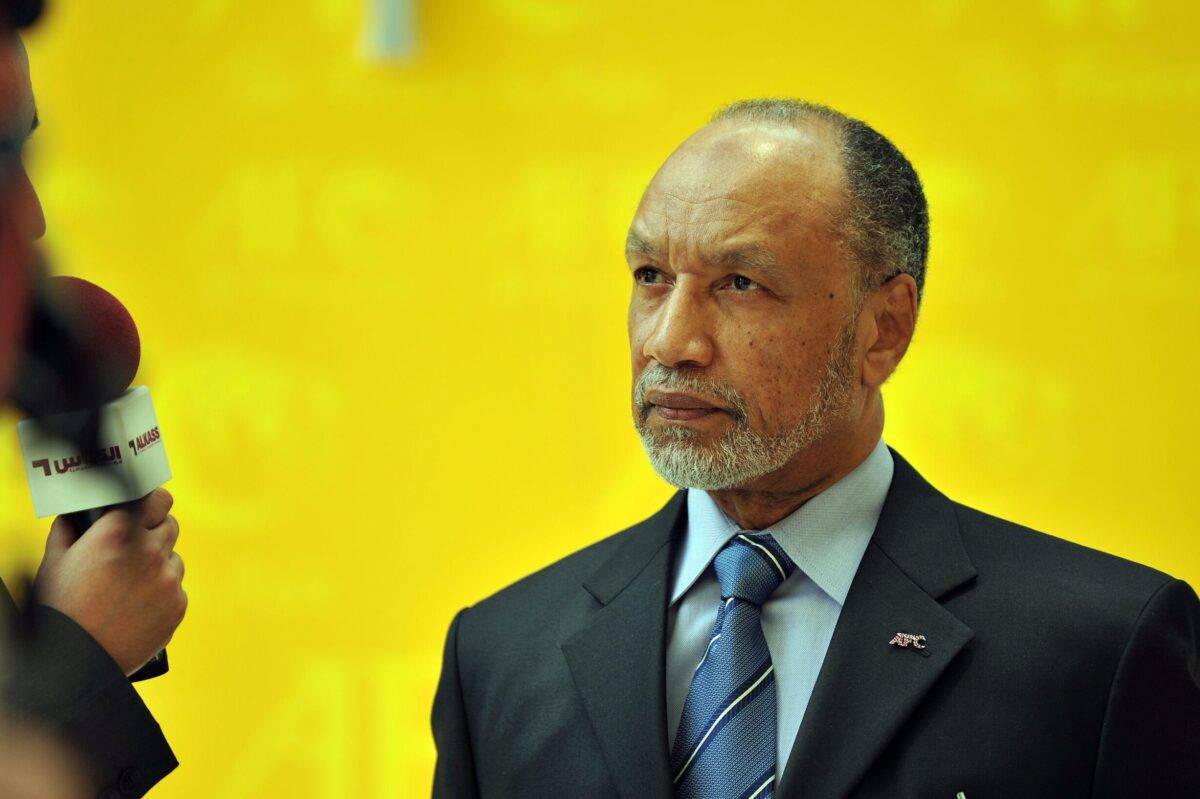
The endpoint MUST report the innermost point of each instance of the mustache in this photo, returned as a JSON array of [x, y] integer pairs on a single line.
[[657, 376]]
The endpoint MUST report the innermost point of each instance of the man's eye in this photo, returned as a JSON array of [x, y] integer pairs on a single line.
[[647, 275], [743, 283]]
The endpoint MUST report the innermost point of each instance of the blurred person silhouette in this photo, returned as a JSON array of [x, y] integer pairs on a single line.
[[102, 604], [36, 764], [808, 616]]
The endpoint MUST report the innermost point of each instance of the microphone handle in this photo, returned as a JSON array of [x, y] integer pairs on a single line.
[[157, 665]]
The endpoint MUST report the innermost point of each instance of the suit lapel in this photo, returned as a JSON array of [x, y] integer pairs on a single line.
[[617, 659], [867, 688]]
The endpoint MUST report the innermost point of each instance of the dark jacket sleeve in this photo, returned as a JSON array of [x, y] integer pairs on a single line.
[[1150, 743], [454, 775], [61, 678]]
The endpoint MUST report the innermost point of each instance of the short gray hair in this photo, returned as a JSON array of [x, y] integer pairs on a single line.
[[887, 217]]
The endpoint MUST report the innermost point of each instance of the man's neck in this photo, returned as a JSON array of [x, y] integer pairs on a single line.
[[776, 496]]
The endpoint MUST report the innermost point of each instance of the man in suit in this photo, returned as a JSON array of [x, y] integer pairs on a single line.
[[809, 617], [108, 601]]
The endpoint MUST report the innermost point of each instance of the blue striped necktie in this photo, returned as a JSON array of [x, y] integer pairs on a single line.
[[726, 743]]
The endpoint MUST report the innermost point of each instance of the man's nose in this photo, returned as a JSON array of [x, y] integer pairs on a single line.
[[681, 336]]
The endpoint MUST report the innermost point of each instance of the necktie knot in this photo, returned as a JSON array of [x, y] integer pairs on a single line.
[[751, 566]]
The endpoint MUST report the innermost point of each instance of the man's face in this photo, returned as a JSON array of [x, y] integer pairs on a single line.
[[21, 219], [741, 322]]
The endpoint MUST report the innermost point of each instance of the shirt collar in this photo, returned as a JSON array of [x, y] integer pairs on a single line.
[[826, 536]]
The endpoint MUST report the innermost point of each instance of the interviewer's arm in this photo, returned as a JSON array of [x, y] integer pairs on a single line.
[[112, 598], [67, 683], [1150, 743], [454, 776]]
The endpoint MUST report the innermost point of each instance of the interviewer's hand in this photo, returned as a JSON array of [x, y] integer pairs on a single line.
[[122, 582]]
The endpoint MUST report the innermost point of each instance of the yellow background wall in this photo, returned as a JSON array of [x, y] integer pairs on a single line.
[[382, 305]]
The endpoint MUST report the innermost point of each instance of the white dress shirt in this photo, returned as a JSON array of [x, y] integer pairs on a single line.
[[826, 537]]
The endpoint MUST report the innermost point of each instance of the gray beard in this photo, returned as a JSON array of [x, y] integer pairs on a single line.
[[742, 454]]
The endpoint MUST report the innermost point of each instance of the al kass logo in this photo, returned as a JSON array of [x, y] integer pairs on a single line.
[[102, 457], [144, 441]]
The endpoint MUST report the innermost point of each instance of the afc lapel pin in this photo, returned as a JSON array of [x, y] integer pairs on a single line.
[[904, 640]]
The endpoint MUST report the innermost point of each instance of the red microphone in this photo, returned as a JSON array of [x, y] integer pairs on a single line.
[[91, 441], [107, 336], [80, 349]]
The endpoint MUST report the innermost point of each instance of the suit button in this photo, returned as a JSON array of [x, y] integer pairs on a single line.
[[128, 781]]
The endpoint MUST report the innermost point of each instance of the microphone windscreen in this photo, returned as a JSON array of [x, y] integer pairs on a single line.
[[106, 333]]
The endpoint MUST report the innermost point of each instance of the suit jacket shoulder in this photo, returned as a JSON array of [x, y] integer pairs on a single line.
[[1027, 573], [546, 605], [541, 677]]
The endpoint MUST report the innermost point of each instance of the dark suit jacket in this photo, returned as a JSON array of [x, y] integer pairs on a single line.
[[60, 678], [1051, 670]]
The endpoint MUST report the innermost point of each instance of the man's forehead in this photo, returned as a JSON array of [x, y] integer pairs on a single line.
[[736, 169]]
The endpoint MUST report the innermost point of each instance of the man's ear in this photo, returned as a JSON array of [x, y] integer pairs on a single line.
[[893, 307]]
